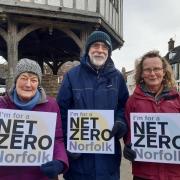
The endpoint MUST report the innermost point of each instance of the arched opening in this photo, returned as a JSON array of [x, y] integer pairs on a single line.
[[50, 46]]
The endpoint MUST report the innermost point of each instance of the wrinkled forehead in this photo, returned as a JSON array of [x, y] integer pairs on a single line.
[[152, 61], [28, 75]]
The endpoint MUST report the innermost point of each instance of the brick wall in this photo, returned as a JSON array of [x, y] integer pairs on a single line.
[[51, 83]]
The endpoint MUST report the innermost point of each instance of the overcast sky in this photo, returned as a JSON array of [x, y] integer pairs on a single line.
[[148, 25]]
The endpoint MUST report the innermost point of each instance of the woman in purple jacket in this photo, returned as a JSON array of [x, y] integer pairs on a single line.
[[27, 94]]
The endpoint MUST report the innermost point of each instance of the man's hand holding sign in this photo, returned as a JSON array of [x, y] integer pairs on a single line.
[[89, 131]]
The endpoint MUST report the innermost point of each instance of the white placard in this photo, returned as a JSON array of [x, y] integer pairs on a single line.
[[26, 137], [156, 137], [88, 131]]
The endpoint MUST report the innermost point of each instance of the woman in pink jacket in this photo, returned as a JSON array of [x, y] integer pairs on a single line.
[[28, 95], [154, 93]]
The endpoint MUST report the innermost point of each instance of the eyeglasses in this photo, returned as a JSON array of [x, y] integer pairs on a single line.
[[98, 45], [155, 70]]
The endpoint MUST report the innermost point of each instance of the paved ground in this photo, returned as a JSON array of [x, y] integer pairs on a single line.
[[125, 170]]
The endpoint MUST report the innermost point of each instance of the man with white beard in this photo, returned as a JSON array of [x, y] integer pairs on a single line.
[[95, 85]]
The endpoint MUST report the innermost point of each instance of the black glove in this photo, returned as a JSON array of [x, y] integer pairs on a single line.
[[128, 153], [118, 130], [73, 156], [52, 168]]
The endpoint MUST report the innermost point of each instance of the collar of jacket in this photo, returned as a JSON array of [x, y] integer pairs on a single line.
[[165, 90], [142, 92], [158, 95]]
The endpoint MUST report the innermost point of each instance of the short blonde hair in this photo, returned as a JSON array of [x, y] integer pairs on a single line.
[[168, 81]]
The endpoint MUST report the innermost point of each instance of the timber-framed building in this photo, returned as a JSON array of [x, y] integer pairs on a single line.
[[53, 32]]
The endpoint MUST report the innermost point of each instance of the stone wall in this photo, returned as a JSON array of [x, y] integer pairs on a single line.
[[51, 83]]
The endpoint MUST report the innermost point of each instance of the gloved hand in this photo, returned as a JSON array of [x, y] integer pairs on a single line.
[[52, 168], [118, 130], [128, 153], [73, 156]]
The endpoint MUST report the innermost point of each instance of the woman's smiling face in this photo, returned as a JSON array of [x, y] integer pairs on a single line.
[[26, 86]]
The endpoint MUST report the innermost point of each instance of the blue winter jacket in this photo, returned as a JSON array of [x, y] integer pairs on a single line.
[[84, 87]]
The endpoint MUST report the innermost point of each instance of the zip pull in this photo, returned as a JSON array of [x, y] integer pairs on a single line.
[[97, 74], [108, 86]]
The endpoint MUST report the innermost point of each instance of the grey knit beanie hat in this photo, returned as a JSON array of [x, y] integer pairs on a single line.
[[26, 65], [98, 36]]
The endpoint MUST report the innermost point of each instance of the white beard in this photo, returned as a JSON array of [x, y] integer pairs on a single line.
[[98, 61]]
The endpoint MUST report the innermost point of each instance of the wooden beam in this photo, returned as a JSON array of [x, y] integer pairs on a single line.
[[26, 31], [48, 23], [3, 33], [118, 38], [74, 37], [74, 4], [53, 12], [12, 46], [98, 6], [84, 35]]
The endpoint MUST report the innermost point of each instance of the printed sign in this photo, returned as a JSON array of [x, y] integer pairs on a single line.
[[89, 130], [26, 137], [156, 137]]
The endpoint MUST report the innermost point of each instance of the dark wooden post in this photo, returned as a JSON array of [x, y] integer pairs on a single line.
[[83, 37], [74, 4], [97, 6], [12, 46]]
